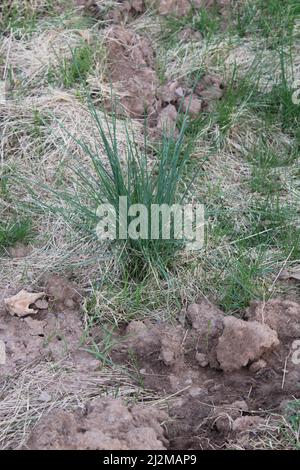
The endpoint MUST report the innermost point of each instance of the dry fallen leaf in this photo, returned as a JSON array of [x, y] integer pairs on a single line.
[[19, 303]]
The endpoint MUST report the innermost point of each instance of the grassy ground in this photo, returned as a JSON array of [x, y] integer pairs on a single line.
[[245, 152]]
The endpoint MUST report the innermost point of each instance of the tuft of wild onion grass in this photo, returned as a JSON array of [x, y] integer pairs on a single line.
[[141, 177]]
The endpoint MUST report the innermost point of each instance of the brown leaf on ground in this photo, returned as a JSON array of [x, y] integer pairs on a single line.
[[20, 303]]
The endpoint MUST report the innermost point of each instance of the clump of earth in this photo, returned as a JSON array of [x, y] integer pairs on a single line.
[[225, 369], [49, 328], [137, 92], [221, 370], [106, 424]]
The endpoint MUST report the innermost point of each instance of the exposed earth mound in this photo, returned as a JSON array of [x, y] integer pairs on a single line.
[[223, 368], [131, 73], [136, 89], [281, 315], [243, 342], [106, 424], [32, 327]]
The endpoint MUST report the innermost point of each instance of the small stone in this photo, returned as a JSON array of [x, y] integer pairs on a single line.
[[45, 396], [192, 105], [257, 366], [41, 304], [196, 392], [201, 359], [69, 303], [247, 423]]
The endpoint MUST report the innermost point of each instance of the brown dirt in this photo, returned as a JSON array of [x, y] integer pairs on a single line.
[[214, 373], [122, 11], [214, 406], [131, 73], [132, 76], [105, 424], [221, 371], [281, 315], [53, 332], [183, 7]]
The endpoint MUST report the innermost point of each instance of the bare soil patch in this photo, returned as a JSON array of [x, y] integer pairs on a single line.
[[224, 371], [104, 424]]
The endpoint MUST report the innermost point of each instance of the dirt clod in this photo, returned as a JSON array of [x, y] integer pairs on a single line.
[[192, 105], [166, 122], [224, 416], [281, 315], [207, 321], [243, 342], [130, 62], [62, 293], [107, 424]]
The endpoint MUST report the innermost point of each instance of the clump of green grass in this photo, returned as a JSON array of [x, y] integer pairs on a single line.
[[21, 16], [273, 20], [205, 21], [16, 17], [140, 179], [13, 232], [293, 409], [67, 72]]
